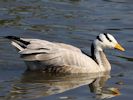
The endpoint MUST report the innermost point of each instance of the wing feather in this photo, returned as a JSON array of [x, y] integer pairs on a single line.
[[56, 54], [53, 54]]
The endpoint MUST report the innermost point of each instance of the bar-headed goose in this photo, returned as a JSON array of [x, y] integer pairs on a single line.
[[63, 58]]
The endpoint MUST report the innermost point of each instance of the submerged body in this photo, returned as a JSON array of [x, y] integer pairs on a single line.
[[60, 58]]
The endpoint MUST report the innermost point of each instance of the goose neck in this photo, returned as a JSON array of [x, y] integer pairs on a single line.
[[100, 58]]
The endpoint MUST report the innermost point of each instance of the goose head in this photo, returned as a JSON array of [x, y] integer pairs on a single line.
[[106, 40]]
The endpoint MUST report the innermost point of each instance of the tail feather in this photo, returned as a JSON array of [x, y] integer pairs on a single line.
[[18, 42], [17, 39]]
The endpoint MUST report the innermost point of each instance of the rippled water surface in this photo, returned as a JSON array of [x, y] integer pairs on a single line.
[[75, 22]]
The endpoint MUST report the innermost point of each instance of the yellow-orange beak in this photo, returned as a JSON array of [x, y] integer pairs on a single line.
[[119, 47]]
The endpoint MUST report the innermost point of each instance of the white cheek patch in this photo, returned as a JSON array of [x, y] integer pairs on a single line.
[[98, 45], [112, 45]]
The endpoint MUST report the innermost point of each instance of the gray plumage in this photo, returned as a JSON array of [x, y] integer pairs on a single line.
[[63, 58]]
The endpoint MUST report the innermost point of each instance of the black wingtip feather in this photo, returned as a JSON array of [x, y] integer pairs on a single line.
[[12, 37], [17, 39]]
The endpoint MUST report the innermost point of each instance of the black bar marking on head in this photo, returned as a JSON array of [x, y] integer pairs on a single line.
[[107, 37], [99, 38]]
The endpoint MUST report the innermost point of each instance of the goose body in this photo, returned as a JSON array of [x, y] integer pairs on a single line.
[[63, 58]]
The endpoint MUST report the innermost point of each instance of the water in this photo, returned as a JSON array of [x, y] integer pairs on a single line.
[[75, 22]]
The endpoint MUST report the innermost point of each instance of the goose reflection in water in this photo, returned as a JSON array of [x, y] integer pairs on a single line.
[[36, 84]]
